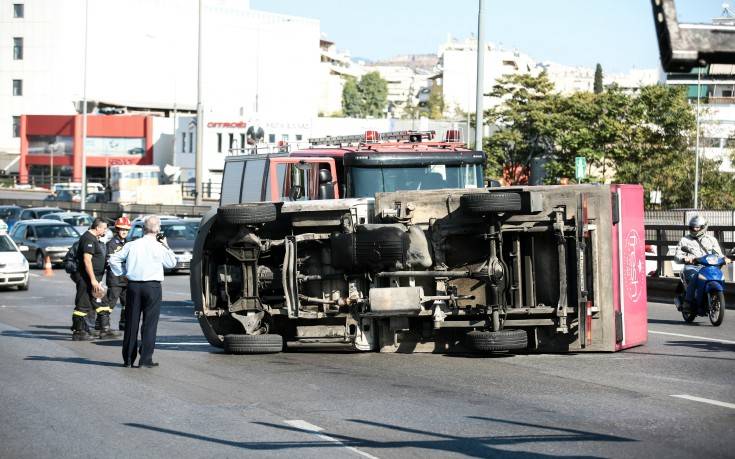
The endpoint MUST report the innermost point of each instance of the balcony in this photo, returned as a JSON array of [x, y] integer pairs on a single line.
[[721, 100]]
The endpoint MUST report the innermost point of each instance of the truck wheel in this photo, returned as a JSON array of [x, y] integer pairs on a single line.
[[245, 214], [503, 340], [253, 344], [501, 201]]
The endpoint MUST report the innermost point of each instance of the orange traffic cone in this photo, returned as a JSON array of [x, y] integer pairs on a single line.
[[48, 269]]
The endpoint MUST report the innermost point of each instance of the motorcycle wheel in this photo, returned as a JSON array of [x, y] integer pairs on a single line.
[[716, 308]]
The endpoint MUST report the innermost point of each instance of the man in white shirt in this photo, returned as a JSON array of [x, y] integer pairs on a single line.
[[142, 262]]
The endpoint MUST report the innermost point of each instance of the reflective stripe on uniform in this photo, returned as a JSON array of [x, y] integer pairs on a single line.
[[103, 309], [80, 314]]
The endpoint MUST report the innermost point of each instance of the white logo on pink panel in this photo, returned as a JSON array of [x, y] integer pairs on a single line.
[[633, 266]]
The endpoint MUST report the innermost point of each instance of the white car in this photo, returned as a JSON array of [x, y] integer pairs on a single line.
[[13, 265]]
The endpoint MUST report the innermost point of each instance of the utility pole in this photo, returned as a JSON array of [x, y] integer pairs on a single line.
[[696, 148], [82, 205], [479, 118], [198, 159]]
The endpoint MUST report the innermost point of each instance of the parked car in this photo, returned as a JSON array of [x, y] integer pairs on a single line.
[[10, 215], [33, 213], [13, 265], [40, 238], [97, 196], [180, 234], [77, 187], [79, 220]]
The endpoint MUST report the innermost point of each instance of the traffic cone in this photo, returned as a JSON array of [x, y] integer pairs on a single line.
[[48, 269]]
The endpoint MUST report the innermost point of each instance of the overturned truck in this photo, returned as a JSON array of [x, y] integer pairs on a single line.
[[465, 269]]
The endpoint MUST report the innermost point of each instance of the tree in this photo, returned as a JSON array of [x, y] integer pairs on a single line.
[[351, 100], [526, 124], [374, 94], [436, 103], [598, 79]]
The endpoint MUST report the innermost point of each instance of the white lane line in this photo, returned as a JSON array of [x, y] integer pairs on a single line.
[[706, 400], [183, 344], [718, 340], [311, 428]]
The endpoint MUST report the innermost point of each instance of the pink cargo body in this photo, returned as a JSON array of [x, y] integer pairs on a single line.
[[629, 267]]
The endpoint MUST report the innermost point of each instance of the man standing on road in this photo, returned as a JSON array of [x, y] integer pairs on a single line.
[[144, 261], [117, 286], [88, 299]]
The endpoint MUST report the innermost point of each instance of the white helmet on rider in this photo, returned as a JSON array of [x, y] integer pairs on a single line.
[[697, 226]]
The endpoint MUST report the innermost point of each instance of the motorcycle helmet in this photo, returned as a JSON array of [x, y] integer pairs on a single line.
[[697, 226]]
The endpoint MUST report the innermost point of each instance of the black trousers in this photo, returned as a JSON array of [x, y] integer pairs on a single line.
[[118, 292], [85, 304], [143, 298]]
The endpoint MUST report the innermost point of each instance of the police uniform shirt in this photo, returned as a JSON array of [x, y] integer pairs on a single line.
[[89, 243]]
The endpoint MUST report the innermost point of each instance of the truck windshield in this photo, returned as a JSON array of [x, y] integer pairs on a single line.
[[366, 181]]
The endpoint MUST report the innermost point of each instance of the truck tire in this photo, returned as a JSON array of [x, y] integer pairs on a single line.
[[500, 201], [503, 340], [246, 214], [253, 344]]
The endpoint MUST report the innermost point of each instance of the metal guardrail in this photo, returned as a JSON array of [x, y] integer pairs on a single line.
[[668, 235]]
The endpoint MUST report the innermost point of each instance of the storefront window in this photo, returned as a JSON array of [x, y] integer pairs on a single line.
[[49, 144], [115, 146]]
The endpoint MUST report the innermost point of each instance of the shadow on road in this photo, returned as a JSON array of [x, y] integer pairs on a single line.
[[81, 360], [673, 322], [483, 446], [39, 334], [713, 346]]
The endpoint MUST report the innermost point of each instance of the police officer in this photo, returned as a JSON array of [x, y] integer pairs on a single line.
[[89, 297], [142, 261], [117, 286]]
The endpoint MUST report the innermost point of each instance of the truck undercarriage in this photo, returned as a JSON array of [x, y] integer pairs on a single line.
[[412, 271]]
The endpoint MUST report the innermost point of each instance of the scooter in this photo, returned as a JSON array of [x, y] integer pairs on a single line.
[[709, 291]]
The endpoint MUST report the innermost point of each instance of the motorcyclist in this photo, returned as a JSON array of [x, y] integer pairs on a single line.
[[692, 246], [117, 285]]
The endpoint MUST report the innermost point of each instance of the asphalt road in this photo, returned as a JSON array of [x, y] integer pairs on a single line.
[[672, 398]]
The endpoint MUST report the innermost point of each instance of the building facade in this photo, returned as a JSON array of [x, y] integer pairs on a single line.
[[141, 57]]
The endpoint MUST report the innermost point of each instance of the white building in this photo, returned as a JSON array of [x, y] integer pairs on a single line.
[[458, 65], [403, 83], [142, 54], [335, 67]]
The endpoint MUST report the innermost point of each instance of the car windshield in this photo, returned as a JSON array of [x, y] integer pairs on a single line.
[[181, 231], [9, 212], [366, 181], [55, 231], [43, 212], [78, 220], [6, 245]]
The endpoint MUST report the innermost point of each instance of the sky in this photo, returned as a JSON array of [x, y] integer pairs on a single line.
[[619, 34]]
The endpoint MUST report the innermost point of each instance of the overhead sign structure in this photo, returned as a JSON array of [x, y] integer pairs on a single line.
[[580, 163]]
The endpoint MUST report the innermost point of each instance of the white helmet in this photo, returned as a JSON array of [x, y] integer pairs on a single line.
[[700, 223]]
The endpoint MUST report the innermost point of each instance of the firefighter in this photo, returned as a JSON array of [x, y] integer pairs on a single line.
[[117, 285]]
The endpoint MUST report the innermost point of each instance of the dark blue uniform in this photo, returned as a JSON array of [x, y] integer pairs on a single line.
[[117, 286]]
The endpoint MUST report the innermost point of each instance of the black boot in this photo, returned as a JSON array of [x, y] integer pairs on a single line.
[[105, 330], [79, 330]]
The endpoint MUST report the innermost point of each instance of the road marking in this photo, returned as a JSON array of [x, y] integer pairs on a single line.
[[183, 344], [311, 428], [706, 400], [692, 336]]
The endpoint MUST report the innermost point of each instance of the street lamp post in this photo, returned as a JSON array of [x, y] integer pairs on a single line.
[[696, 147], [198, 160], [84, 108], [480, 76]]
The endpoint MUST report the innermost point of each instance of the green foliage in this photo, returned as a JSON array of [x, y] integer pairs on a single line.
[[436, 103], [365, 98], [525, 119], [598, 79], [351, 99], [374, 92], [644, 138]]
